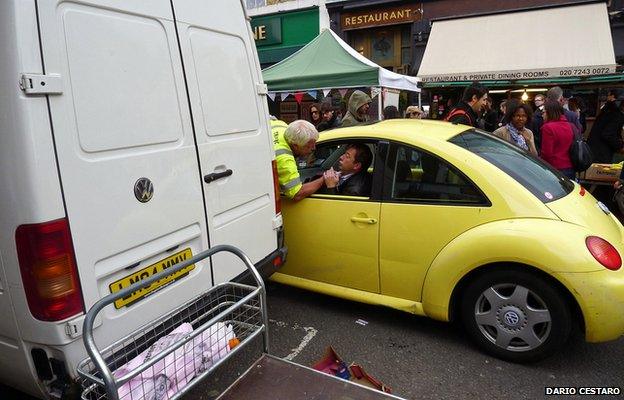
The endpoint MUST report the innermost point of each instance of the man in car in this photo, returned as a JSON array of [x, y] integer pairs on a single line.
[[353, 178], [298, 139]]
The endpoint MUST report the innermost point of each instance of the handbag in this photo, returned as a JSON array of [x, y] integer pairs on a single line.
[[580, 153]]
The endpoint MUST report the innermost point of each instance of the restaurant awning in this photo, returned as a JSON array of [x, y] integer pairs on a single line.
[[550, 43]]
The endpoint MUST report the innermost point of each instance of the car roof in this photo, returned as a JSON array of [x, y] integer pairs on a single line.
[[397, 129]]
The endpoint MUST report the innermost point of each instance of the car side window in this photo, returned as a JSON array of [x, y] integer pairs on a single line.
[[421, 176], [328, 155]]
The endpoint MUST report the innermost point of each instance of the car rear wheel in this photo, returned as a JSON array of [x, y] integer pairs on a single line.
[[515, 315]]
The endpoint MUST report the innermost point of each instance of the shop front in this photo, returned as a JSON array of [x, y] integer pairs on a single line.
[[483, 48], [277, 36], [383, 33]]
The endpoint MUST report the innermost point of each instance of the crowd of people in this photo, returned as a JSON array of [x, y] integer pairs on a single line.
[[546, 130]]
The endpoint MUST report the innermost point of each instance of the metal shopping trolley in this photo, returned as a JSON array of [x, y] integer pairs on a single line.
[[161, 360]]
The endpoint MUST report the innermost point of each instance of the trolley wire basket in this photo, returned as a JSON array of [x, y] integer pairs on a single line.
[[167, 357]]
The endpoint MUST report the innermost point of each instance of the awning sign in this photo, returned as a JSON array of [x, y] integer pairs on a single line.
[[547, 73]]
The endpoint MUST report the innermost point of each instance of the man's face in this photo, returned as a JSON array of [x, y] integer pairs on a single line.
[[478, 104], [539, 101], [327, 115], [305, 150], [610, 97], [347, 162], [364, 109]]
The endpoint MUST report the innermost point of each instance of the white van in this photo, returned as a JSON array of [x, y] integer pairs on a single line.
[[133, 134]]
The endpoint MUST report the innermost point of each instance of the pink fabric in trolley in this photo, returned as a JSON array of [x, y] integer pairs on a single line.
[[169, 375]]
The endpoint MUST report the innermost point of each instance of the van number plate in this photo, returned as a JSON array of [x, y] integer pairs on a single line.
[[150, 271]]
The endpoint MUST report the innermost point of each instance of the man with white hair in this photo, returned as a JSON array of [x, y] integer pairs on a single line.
[[556, 93], [298, 139]]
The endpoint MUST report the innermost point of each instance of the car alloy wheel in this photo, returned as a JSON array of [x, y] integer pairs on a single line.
[[516, 315], [513, 317]]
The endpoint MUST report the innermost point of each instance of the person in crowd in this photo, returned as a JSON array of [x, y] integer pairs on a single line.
[[298, 139], [490, 116], [557, 137], [330, 117], [470, 107], [538, 119], [357, 110], [315, 114], [390, 112], [605, 136], [515, 130], [353, 178], [556, 93], [414, 112], [577, 106], [502, 110]]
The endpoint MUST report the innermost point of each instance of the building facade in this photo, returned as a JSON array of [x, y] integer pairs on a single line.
[[282, 27]]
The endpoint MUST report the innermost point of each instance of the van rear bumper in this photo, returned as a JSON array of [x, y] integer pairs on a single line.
[[268, 265]]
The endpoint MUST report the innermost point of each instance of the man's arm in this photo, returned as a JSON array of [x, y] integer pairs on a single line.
[[309, 188]]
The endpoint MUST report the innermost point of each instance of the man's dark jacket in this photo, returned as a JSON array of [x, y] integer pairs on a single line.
[[356, 185], [605, 137], [468, 118]]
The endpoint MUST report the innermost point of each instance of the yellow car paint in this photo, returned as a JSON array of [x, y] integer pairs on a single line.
[[415, 255]]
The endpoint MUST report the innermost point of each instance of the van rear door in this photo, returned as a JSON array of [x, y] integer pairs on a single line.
[[230, 116], [126, 152]]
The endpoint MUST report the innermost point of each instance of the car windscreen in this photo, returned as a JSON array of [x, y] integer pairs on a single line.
[[545, 182]]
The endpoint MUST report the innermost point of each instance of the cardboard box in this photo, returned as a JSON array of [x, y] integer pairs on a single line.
[[603, 172]]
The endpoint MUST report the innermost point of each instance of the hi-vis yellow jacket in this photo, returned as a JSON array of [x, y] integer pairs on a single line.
[[288, 176]]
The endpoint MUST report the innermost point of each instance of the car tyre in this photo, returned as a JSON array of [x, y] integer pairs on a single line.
[[515, 315]]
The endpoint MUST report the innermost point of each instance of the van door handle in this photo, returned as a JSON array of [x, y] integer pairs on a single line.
[[217, 175], [365, 220]]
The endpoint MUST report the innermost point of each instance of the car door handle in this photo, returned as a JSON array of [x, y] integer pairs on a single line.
[[217, 175], [365, 220]]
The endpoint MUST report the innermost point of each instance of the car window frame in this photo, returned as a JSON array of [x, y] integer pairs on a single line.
[[379, 162], [389, 179]]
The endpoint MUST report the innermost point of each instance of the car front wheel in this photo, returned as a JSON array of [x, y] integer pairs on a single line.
[[515, 315]]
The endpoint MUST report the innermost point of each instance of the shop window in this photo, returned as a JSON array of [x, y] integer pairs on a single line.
[[389, 47], [383, 47]]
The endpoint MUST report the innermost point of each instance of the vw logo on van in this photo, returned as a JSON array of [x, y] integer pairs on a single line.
[[143, 190]]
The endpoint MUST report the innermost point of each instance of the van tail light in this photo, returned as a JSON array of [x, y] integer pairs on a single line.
[[48, 267], [278, 202], [604, 252]]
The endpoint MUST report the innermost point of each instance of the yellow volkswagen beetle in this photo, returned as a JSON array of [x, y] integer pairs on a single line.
[[460, 225]]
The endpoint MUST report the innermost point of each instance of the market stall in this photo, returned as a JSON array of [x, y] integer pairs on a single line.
[[327, 63]]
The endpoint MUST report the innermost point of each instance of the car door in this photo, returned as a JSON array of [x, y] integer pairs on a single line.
[[427, 202], [333, 238]]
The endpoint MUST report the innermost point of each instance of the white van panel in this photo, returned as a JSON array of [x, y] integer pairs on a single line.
[[124, 98], [219, 44], [217, 95], [30, 185], [135, 69]]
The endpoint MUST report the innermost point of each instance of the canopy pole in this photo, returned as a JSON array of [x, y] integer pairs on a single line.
[[379, 105], [419, 101]]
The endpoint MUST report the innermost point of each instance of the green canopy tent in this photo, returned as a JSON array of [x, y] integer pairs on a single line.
[[327, 62]]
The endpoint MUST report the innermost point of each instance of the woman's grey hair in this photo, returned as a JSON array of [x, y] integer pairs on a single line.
[[300, 132]]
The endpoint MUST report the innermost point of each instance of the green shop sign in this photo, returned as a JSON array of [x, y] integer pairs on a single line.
[[267, 30]]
